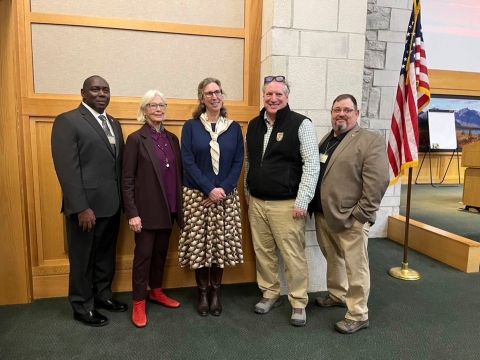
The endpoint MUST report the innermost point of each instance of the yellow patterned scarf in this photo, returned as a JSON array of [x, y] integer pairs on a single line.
[[220, 127]]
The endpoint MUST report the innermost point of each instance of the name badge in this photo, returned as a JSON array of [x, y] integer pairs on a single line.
[[323, 158]]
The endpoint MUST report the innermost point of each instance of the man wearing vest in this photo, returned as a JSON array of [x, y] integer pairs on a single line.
[[281, 173]]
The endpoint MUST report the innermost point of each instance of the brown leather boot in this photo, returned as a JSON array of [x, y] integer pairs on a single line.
[[215, 282], [201, 276]]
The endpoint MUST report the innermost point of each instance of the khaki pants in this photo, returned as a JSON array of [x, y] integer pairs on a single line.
[[348, 274], [273, 226]]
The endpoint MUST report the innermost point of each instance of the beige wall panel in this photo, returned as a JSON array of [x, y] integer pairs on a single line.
[[228, 13], [133, 61]]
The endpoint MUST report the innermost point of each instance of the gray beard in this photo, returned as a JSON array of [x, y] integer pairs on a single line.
[[339, 127]]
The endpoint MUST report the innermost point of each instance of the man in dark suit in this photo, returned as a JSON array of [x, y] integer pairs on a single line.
[[87, 149]]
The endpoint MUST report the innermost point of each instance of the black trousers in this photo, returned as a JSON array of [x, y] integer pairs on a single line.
[[92, 258], [151, 248]]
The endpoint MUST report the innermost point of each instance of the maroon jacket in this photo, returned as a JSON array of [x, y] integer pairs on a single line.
[[142, 185]]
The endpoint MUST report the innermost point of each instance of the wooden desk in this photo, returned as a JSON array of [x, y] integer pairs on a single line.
[[471, 180]]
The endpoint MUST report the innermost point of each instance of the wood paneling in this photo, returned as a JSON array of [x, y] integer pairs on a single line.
[[471, 155], [57, 285], [253, 36], [439, 167], [126, 108], [471, 188], [451, 249], [131, 24], [51, 260], [14, 267], [49, 221], [454, 82], [34, 262]]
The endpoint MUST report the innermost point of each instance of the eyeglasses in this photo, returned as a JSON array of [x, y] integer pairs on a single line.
[[345, 110], [209, 94], [154, 106], [271, 78]]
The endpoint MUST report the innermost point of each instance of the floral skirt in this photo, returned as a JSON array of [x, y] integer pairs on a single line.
[[212, 234]]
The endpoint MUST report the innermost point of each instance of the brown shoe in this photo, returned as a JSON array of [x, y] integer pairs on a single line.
[[327, 301], [202, 279], [347, 326], [214, 295]]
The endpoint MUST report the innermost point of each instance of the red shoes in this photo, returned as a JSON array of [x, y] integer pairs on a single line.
[[158, 296], [139, 317]]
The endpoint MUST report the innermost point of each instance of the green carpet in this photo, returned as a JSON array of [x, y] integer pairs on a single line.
[[442, 208], [436, 317]]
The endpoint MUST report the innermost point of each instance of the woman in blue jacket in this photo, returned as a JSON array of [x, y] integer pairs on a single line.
[[212, 156]]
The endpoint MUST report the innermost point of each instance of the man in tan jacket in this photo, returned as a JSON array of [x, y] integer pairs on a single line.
[[353, 179]]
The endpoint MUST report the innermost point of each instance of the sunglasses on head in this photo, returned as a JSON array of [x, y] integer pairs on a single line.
[[270, 78]]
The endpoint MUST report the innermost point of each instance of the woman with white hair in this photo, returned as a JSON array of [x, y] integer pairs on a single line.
[[152, 196]]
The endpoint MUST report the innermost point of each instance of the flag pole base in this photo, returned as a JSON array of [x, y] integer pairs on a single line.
[[404, 273]]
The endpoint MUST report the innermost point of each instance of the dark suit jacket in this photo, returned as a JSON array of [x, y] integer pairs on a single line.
[[87, 169], [355, 179], [142, 185]]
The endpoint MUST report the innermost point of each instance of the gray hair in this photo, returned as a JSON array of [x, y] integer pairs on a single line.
[[286, 87], [146, 98]]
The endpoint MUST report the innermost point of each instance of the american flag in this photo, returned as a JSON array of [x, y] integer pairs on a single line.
[[413, 94]]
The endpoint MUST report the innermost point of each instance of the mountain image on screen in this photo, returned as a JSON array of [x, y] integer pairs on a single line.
[[467, 118], [463, 118]]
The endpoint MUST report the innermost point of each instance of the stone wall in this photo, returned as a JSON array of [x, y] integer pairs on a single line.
[[319, 45], [329, 47], [386, 27]]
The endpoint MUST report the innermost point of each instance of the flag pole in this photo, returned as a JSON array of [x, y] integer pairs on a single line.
[[404, 272], [413, 95]]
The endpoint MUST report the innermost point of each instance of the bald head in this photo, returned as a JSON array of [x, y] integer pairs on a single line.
[[96, 93], [86, 83]]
